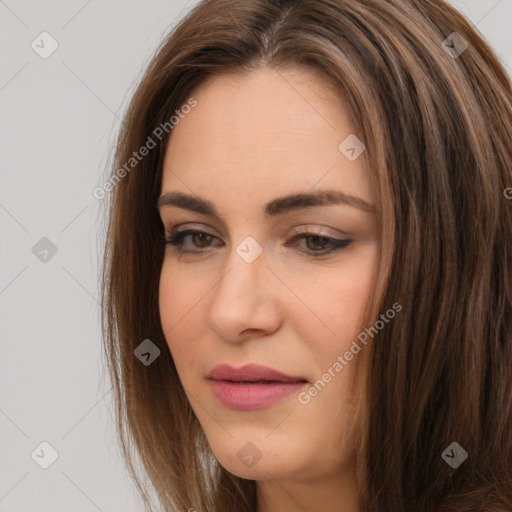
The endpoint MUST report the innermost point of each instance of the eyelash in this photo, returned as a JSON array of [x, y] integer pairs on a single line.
[[176, 239]]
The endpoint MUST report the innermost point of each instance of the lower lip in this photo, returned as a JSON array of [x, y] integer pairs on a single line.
[[245, 397]]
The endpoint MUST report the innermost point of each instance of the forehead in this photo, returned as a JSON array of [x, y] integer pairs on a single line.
[[264, 127]]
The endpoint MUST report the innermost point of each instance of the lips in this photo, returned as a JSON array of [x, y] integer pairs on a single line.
[[251, 386], [251, 373]]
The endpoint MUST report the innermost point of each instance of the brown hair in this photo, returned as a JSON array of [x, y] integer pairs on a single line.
[[437, 128]]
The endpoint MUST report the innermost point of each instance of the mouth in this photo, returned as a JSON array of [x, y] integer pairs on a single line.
[[256, 382], [251, 386], [252, 374]]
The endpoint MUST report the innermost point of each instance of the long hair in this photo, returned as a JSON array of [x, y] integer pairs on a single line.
[[433, 105]]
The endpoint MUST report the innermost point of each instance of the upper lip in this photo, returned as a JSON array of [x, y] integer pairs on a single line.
[[251, 373]]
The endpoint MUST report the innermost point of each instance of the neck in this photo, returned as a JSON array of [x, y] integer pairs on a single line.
[[336, 492]]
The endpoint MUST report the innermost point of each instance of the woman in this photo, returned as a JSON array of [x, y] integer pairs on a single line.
[[307, 278]]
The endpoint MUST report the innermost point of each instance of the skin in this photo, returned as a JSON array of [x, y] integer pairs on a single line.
[[250, 139]]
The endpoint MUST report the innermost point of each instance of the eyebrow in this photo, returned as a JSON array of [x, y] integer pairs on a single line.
[[278, 206]]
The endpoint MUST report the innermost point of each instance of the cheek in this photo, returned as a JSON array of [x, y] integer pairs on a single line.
[[179, 299], [337, 299]]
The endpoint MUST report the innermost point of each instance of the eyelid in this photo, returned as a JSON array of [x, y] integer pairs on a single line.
[[320, 231], [307, 228], [177, 228]]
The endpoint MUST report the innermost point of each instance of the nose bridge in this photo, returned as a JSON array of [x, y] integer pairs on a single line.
[[245, 267], [241, 299]]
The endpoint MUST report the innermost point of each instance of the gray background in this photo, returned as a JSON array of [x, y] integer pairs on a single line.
[[59, 117]]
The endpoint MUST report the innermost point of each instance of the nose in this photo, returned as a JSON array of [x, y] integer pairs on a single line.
[[244, 302]]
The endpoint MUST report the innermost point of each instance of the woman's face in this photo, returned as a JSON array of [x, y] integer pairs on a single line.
[[246, 293]]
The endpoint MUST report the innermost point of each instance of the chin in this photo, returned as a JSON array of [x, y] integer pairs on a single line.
[[246, 460]]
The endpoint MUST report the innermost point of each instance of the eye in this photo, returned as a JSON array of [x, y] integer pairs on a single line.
[[316, 243], [200, 239]]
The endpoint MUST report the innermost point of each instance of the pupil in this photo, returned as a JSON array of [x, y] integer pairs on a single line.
[[316, 243], [202, 237]]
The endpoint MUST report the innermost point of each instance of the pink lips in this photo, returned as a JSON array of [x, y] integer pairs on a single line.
[[251, 386]]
